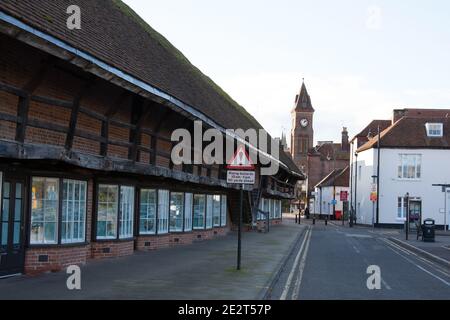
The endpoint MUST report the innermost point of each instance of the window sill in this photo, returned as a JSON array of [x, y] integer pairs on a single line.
[[114, 240], [56, 245], [408, 180]]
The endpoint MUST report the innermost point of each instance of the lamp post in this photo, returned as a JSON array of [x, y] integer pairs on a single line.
[[407, 214], [356, 188]]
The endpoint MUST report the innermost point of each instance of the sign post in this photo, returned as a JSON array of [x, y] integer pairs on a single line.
[[241, 171]]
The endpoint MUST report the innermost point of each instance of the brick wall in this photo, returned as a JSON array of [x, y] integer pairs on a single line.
[[38, 260], [111, 249], [155, 242]]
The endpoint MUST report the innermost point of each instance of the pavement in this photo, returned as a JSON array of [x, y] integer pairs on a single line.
[[336, 262], [205, 270]]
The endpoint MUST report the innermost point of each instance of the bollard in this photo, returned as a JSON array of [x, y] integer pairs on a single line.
[[326, 222], [296, 219], [314, 220]]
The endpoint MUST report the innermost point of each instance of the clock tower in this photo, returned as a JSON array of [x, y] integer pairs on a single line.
[[302, 134]]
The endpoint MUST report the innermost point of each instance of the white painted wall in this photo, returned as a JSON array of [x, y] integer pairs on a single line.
[[435, 169], [327, 197]]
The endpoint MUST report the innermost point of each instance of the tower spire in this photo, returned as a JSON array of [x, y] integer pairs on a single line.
[[303, 100]]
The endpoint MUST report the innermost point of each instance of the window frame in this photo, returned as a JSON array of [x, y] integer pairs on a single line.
[[429, 128], [183, 195], [60, 178], [220, 211], [138, 212], [204, 212], [85, 209], [167, 230], [223, 200], [192, 212], [418, 174], [95, 216], [132, 214]]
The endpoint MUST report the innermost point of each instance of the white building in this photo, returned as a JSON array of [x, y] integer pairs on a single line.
[[414, 155], [329, 190]]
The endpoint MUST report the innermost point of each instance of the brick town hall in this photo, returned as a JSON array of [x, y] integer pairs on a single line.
[[319, 161]]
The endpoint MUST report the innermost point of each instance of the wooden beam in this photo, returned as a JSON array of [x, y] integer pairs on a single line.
[[114, 108], [74, 115], [153, 143], [24, 100], [141, 112]]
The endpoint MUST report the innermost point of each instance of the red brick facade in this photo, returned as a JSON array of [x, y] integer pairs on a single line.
[[18, 64]]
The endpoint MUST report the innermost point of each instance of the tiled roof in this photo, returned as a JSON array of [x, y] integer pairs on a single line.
[[116, 35], [373, 128], [328, 150], [338, 177], [410, 132]]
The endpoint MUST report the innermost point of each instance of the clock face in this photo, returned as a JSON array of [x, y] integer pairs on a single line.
[[304, 123]]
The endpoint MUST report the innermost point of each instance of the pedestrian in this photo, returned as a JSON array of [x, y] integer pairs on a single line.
[[307, 212]]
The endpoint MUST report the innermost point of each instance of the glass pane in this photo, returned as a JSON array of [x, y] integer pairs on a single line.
[[176, 212], [37, 232], [18, 210], [6, 189], [4, 234], [5, 210], [50, 232], [18, 190], [16, 238]]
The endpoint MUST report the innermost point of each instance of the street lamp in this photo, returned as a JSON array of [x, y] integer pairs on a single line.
[[407, 214]]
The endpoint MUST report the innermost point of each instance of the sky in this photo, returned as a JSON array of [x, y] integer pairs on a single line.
[[360, 59]]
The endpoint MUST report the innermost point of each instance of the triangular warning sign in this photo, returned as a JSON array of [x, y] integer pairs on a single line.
[[241, 160]]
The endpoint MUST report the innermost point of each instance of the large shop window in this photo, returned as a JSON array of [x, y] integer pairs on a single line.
[[73, 211], [148, 206], [115, 212], [176, 211], [223, 216], [199, 211], [45, 211], [163, 211], [216, 210], [107, 211], [209, 211]]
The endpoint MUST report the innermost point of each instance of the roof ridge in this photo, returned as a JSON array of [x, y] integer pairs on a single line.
[[167, 45]]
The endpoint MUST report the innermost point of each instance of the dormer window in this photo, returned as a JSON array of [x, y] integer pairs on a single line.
[[435, 129]]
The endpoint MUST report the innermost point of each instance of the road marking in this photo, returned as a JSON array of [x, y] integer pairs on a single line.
[[298, 282], [427, 262], [351, 235], [385, 284], [294, 266], [421, 268], [356, 249]]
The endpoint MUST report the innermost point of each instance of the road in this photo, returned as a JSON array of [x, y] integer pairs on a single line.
[[331, 262]]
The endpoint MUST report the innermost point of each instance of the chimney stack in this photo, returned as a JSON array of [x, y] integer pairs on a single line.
[[345, 143]]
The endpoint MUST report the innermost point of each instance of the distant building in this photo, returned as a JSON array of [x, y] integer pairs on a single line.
[[329, 189], [302, 138], [324, 159], [414, 154]]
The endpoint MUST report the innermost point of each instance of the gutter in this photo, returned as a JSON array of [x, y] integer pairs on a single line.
[[138, 83]]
